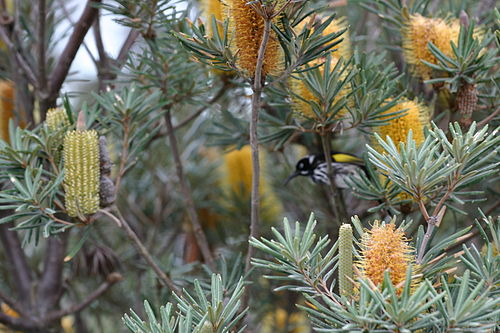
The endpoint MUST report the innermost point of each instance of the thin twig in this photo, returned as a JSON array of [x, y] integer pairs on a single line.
[[336, 197], [62, 3], [201, 239], [127, 45], [486, 120], [42, 75], [50, 285], [18, 263], [111, 279], [214, 99], [124, 154], [26, 67], [254, 141], [11, 303], [82, 26], [145, 253]]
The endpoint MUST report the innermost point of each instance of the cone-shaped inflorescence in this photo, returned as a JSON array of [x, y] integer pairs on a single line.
[[81, 178], [417, 34], [246, 29], [415, 117], [345, 261], [56, 119], [385, 248]]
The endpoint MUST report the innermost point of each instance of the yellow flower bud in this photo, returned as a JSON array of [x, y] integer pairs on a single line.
[[56, 119], [81, 178], [345, 260]]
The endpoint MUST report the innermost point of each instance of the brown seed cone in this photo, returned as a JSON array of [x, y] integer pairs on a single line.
[[466, 103]]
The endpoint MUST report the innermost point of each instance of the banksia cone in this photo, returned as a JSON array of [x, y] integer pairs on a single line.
[[6, 108], [237, 180], [415, 118], [247, 28], [385, 248], [467, 102], [345, 260], [418, 32], [81, 178], [56, 119]]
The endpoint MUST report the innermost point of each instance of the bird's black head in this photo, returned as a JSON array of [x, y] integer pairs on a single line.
[[304, 167]]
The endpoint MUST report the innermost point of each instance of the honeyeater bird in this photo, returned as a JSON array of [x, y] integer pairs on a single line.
[[343, 166]]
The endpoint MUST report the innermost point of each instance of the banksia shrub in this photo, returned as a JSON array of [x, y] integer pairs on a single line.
[[6, 107], [418, 32], [385, 248], [345, 260], [246, 28], [81, 178]]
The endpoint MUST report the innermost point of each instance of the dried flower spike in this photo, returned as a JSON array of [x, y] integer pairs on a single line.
[[6, 107], [81, 178], [56, 119], [345, 260], [247, 28], [385, 248], [418, 32]]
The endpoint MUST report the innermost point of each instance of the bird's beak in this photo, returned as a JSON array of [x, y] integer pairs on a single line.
[[292, 176]]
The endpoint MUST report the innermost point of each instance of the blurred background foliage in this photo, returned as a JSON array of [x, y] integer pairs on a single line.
[[209, 108]]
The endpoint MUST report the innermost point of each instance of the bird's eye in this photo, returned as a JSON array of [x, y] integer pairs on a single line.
[[301, 165]]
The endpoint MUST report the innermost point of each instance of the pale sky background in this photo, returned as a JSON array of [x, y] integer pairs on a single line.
[[83, 69]]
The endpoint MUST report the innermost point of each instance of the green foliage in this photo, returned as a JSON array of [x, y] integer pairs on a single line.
[[471, 62], [198, 313]]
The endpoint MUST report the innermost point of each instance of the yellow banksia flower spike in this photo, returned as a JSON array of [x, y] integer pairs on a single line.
[[237, 179], [6, 108], [418, 32], [246, 29], [385, 248], [56, 119], [300, 88], [213, 8], [82, 172], [415, 118], [346, 274]]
